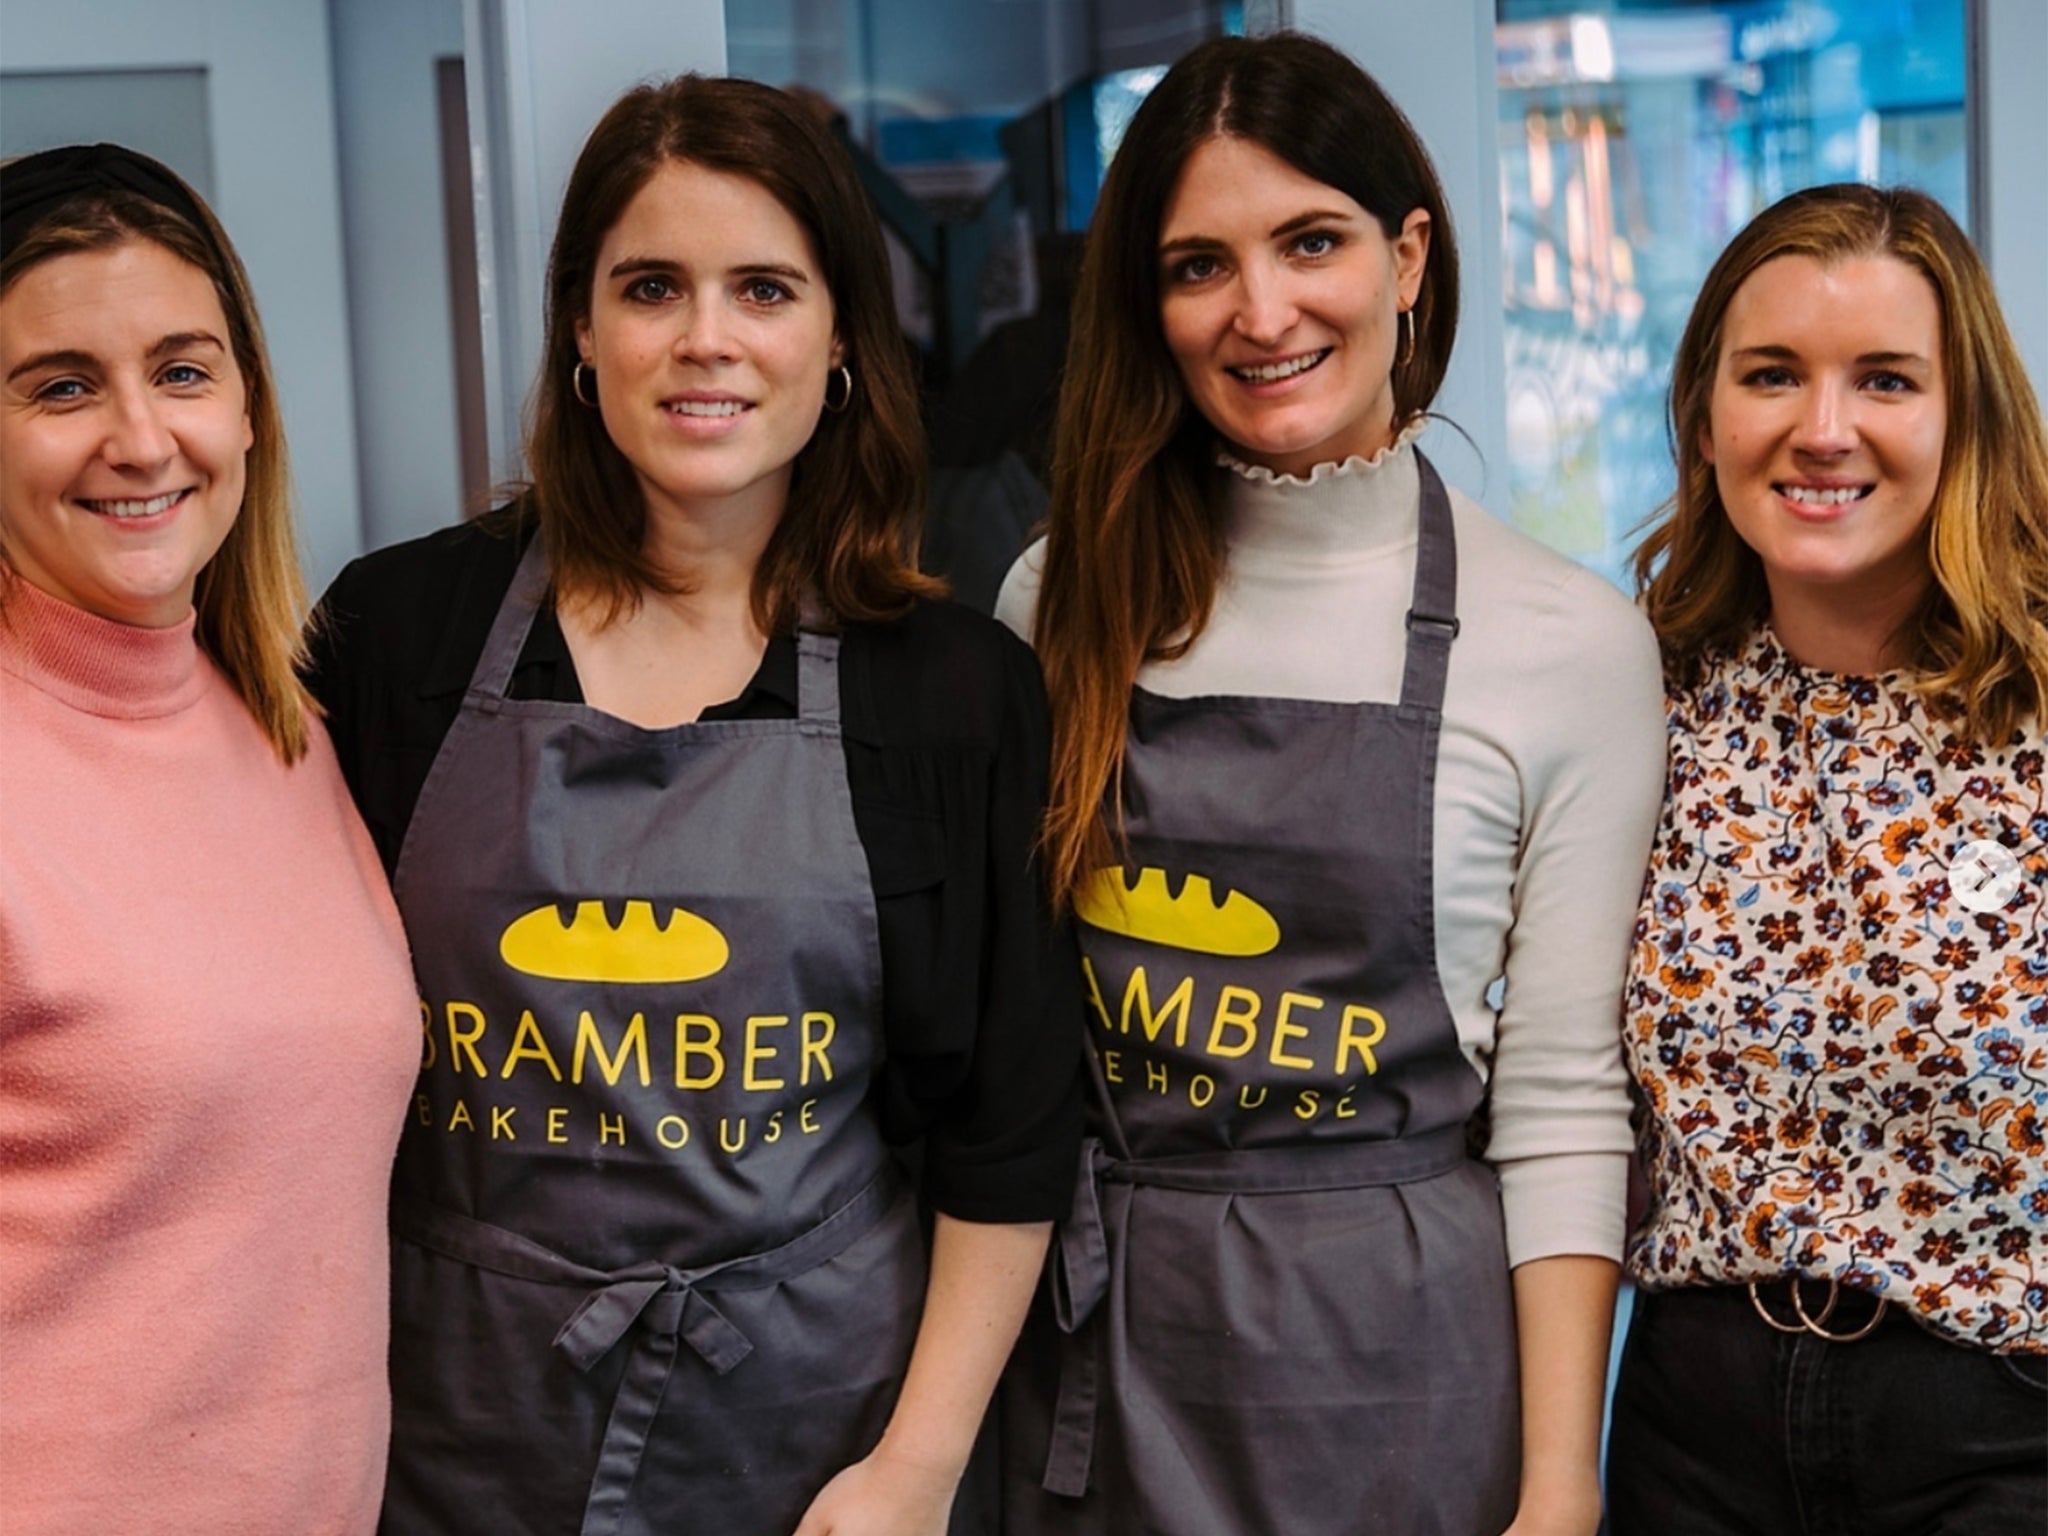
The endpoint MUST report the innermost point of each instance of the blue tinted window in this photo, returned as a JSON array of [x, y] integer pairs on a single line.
[[1636, 138]]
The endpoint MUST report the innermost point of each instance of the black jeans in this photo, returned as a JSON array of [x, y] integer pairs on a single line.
[[1725, 1427]]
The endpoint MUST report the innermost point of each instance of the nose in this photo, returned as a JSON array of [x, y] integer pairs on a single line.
[[1827, 419], [137, 436], [1266, 310], [703, 331]]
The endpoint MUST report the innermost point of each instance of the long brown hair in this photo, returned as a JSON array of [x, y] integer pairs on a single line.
[[1979, 637], [1134, 544], [857, 493], [250, 598]]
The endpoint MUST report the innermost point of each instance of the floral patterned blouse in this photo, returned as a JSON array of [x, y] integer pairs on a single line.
[[1843, 1067]]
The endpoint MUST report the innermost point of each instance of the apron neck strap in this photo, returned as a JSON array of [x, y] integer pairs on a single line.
[[817, 663], [817, 655], [817, 678], [513, 624], [1433, 607]]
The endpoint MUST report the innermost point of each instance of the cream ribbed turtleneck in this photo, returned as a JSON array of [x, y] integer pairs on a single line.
[[1549, 779], [208, 1035]]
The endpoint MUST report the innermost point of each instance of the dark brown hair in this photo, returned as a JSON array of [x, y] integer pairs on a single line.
[[1978, 637], [1134, 544], [250, 598], [857, 492]]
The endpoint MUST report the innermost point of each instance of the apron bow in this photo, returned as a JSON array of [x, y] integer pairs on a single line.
[[666, 1303], [669, 1305]]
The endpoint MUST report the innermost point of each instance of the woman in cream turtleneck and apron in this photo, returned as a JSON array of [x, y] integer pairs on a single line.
[[1352, 793]]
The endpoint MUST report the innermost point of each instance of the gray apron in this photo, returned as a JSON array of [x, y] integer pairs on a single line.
[[1282, 1302], [654, 1269]]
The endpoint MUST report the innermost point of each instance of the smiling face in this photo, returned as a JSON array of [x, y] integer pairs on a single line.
[[125, 431], [711, 334], [1825, 430], [1281, 303]]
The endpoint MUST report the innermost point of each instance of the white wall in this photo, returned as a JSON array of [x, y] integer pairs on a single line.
[[2013, 74], [408, 436], [541, 73], [1436, 61], [269, 90]]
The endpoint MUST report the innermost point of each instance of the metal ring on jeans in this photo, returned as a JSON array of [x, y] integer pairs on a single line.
[[1764, 1312], [1813, 1325]]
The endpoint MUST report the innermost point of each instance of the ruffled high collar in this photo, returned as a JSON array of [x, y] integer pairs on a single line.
[[1764, 654], [119, 671], [1360, 507], [1829, 704]]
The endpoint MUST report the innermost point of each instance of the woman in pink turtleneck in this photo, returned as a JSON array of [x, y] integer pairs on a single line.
[[207, 1020]]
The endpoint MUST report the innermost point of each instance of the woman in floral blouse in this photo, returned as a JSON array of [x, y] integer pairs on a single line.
[[1838, 1003]]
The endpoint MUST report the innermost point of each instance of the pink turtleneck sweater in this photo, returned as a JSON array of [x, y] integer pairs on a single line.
[[208, 1033]]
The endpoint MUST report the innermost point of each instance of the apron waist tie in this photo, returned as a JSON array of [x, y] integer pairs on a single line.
[[668, 1304], [1080, 1249]]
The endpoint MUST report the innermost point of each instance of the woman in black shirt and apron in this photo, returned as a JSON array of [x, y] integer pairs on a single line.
[[657, 1269], [1283, 1301]]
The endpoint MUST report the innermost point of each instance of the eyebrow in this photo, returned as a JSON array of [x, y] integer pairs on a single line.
[[1868, 359], [62, 359], [1299, 222], [177, 341], [633, 266], [185, 341]]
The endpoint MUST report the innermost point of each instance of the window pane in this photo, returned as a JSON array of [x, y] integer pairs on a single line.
[[1636, 138], [982, 131], [162, 112]]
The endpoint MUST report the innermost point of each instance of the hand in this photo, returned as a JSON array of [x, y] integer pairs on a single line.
[[883, 1495], [1573, 1512]]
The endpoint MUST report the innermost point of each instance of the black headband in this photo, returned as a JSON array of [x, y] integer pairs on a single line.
[[36, 185]]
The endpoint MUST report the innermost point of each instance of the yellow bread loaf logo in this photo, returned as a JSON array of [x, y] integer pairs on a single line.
[[1192, 920], [589, 948]]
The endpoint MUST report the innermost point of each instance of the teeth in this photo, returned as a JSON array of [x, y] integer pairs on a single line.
[[1272, 373], [148, 508], [1815, 496], [707, 407]]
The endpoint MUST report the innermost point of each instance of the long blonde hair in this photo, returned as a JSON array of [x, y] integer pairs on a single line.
[[250, 598], [1978, 641]]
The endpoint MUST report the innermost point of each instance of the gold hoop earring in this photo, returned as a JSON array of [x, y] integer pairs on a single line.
[[843, 375], [576, 384], [1408, 338]]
